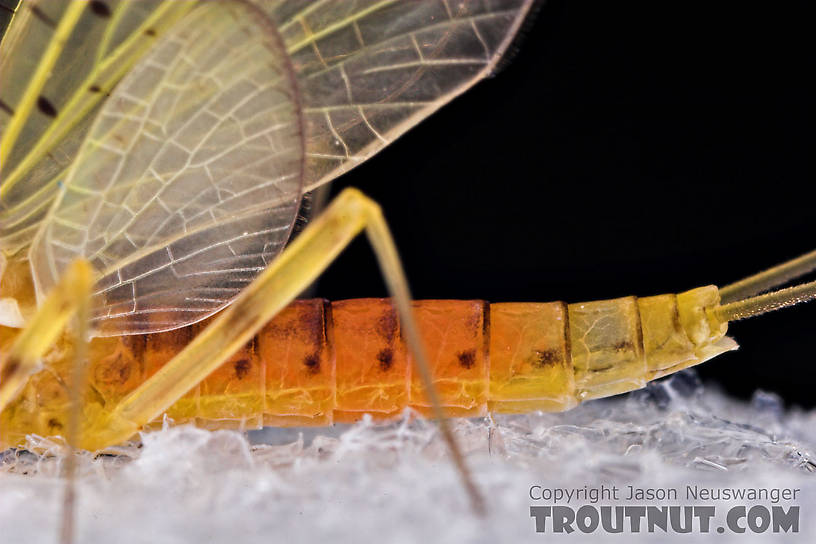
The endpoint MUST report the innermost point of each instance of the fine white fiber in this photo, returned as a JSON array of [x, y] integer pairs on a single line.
[[394, 482]]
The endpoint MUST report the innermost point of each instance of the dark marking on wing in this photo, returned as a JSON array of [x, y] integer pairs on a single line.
[[39, 14], [312, 363], [100, 8], [242, 367], [386, 359], [150, 32], [467, 358], [46, 107], [6, 108]]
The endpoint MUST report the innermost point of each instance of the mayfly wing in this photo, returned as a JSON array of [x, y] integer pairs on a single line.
[[370, 70], [58, 62], [172, 241], [189, 179]]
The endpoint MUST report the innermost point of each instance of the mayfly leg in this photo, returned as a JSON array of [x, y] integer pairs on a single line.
[[73, 432], [288, 275]]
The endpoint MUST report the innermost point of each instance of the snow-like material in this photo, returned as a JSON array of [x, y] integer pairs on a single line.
[[394, 483]]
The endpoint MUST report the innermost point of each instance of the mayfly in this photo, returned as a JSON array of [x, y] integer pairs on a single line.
[[155, 154]]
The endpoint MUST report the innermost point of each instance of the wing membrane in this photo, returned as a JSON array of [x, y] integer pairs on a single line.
[[189, 179], [370, 70], [45, 117], [181, 182]]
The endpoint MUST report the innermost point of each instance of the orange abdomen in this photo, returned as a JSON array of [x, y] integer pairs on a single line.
[[319, 362]]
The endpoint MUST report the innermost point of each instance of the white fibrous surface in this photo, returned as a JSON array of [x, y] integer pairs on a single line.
[[394, 483]]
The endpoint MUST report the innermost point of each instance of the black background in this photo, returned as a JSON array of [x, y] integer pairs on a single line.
[[627, 149]]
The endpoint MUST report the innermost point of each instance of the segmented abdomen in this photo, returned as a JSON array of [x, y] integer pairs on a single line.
[[320, 362]]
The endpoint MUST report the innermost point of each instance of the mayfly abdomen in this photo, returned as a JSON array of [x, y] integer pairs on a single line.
[[618, 345], [321, 362]]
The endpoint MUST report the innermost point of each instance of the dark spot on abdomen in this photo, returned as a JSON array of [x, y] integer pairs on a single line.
[[312, 321], [624, 345], [467, 358], [544, 358], [150, 32], [54, 424], [386, 359], [312, 363], [241, 367], [387, 325]]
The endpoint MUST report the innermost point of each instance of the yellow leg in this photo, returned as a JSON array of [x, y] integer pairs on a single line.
[[73, 432], [297, 267], [23, 358]]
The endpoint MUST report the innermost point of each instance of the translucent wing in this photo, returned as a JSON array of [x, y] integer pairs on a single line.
[[369, 70], [189, 178], [47, 107], [181, 182]]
